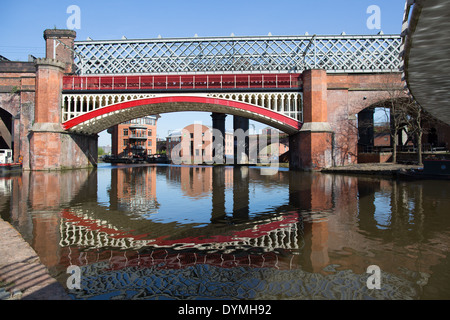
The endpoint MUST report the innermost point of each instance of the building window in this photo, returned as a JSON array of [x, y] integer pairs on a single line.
[[149, 143], [125, 132], [149, 132], [125, 142]]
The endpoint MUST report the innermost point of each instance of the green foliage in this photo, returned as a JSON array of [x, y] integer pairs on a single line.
[[15, 90]]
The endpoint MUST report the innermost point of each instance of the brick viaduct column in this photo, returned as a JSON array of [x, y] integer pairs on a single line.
[[45, 135], [218, 193], [312, 193], [218, 124], [311, 148], [58, 45], [51, 147], [241, 139]]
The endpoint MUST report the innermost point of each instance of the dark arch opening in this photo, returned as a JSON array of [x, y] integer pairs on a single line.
[[6, 130], [392, 125]]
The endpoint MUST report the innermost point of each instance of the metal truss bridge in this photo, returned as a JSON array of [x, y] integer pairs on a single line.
[[267, 54]]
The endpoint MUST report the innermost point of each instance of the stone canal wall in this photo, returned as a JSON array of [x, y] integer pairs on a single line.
[[22, 275]]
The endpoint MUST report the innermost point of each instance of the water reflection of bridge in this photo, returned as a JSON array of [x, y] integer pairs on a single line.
[[82, 230], [212, 281], [340, 220], [127, 223], [207, 262]]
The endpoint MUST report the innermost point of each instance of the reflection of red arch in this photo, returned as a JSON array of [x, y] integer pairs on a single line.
[[161, 257], [289, 124], [256, 231]]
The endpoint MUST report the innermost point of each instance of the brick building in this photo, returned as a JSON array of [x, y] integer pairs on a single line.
[[201, 147], [136, 137]]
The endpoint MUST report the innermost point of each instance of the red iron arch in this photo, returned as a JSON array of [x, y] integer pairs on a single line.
[[196, 103]]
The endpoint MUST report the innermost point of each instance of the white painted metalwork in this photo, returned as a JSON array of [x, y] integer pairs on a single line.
[[73, 234], [343, 53], [74, 105], [286, 103]]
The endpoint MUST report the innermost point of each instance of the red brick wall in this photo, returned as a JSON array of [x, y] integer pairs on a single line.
[[314, 96], [117, 138], [347, 96], [59, 49], [48, 92], [17, 96], [374, 157]]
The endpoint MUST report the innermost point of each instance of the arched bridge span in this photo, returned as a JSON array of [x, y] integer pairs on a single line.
[[92, 114]]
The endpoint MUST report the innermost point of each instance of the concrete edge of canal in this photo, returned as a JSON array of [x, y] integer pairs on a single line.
[[22, 275], [386, 169]]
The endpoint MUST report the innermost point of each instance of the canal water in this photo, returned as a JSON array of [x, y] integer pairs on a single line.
[[197, 232]]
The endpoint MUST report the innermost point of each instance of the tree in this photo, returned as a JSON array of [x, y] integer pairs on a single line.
[[406, 114], [345, 140], [419, 121], [397, 106], [414, 118]]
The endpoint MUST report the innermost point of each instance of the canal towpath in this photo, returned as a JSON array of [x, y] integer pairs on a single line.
[[22, 275], [389, 169]]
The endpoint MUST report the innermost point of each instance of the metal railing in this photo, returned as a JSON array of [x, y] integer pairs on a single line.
[[137, 136], [182, 82], [267, 54]]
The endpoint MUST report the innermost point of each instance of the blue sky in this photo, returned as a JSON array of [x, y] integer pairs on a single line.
[[22, 24]]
